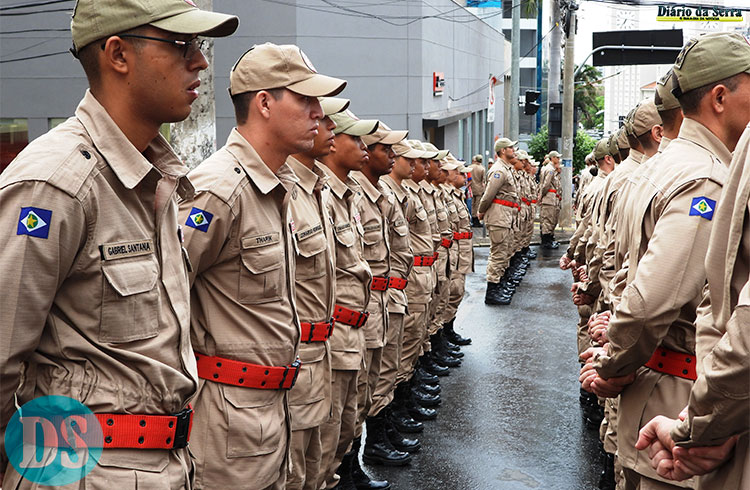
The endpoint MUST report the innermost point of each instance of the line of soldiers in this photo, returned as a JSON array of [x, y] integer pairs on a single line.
[[506, 204], [660, 266], [299, 287]]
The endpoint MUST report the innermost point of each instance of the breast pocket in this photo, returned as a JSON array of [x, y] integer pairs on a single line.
[[346, 253], [374, 249], [261, 271], [130, 299], [311, 245]]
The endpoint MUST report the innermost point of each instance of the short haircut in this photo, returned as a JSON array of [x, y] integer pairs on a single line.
[[647, 142], [633, 141], [670, 118], [242, 101], [690, 101], [88, 55]]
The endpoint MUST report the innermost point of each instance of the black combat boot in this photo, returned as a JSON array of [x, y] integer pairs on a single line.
[[345, 472], [401, 418], [443, 359], [495, 294], [552, 243], [444, 346], [398, 440], [378, 449], [423, 398], [424, 377], [530, 253], [607, 476], [414, 409], [453, 336], [432, 367], [547, 241], [362, 480]]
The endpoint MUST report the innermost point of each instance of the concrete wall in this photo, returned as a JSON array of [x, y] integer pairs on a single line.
[[389, 67]]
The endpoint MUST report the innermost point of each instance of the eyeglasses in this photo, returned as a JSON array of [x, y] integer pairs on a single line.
[[189, 48]]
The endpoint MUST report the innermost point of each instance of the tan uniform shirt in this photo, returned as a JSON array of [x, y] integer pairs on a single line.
[[465, 246], [312, 236], [500, 185], [665, 279], [548, 182], [584, 213], [95, 289], [243, 308], [353, 274], [401, 256], [420, 284], [376, 250], [720, 400]]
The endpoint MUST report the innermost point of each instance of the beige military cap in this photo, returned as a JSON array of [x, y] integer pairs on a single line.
[[333, 105], [554, 153], [384, 135], [710, 58], [664, 98], [477, 158], [622, 138], [645, 117], [628, 124], [348, 123], [418, 145], [96, 19], [403, 149], [504, 143], [612, 144], [440, 153], [450, 163], [268, 66], [601, 149], [522, 155]]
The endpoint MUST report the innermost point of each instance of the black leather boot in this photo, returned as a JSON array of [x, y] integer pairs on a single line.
[[345, 472], [495, 294], [422, 398], [378, 449], [432, 367], [453, 336], [414, 409], [400, 415], [398, 440], [552, 242], [362, 480], [444, 347], [425, 377], [607, 476], [530, 253], [441, 358]]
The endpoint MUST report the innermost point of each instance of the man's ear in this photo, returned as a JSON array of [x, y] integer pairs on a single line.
[[117, 55], [263, 102]]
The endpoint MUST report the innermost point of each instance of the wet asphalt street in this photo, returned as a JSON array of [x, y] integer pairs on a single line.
[[510, 417]]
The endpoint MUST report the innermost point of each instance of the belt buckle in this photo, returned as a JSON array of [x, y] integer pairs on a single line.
[[296, 364], [362, 320], [182, 428], [331, 323], [312, 330]]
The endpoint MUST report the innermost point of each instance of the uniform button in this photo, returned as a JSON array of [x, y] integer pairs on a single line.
[[237, 169], [85, 154]]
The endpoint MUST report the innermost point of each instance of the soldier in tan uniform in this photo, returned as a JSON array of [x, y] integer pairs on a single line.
[[95, 300], [550, 199], [353, 279], [499, 210], [653, 323], [238, 235], [310, 400], [477, 183], [712, 439]]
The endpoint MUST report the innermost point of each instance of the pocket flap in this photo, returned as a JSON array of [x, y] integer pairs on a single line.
[[344, 234], [262, 253], [311, 241], [132, 276], [240, 397]]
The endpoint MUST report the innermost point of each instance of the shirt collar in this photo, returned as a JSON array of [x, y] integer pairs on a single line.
[[427, 187], [410, 184], [699, 134], [129, 164], [372, 193], [257, 171], [393, 185], [664, 144], [308, 179], [339, 188]]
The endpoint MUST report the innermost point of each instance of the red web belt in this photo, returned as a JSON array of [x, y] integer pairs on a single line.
[[673, 363], [349, 317], [146, 431], [526, 201], [397, 283], [238, 373], [446, 242], [463, 236], [316, 332], [424, 260], [503, 202], [379, 283]]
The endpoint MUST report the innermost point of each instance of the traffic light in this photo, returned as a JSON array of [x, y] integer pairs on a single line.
[[531, 105]]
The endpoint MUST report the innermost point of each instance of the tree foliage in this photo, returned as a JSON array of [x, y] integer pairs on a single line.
[[587, 93], [583, 145]]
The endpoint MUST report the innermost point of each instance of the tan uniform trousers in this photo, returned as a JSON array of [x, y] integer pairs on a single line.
[[389, 363], [501, 241], [529, 227], [366, 383], [415, 331], [548, 216], [337, 433], [635, 481], [475, 204], [440, 298], [124, 469], [305, 471], [457, 289]]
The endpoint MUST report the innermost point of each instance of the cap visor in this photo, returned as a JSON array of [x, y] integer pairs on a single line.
[[430, 155], [394, 137], [442, 154], [411, 153], [332, 105], [362, 127], [318, 86], [197, 21]]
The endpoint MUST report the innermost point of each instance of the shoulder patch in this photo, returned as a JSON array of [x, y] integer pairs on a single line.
[[34, 222], [703, 207], [496, 175], [199, 219]]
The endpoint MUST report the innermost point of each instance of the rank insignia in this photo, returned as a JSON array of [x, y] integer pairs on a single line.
[[199, 219], [34, 222], [703, 207]]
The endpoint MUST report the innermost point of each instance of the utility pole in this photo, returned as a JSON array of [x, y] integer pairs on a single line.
[[194, 139], [566, 176], [515, 70], [553, 79]]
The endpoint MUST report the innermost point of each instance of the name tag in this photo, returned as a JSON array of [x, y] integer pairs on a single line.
[[309, 232], [375, 227], [344, 227], [260, 240], [122, 250], [399, 222]]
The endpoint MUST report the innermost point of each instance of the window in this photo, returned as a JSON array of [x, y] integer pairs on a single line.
[[53, 122], [461, 138], [14, 136]]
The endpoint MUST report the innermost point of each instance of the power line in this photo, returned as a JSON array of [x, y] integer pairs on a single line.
[[29, 5], [36, 12], [34, 57], [22, 31]]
